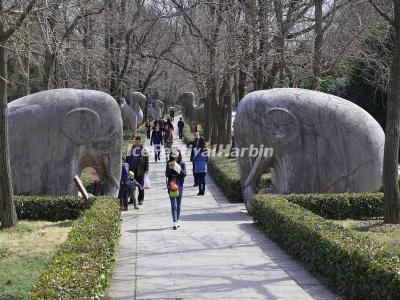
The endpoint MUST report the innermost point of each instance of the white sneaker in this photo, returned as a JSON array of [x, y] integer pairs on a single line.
[[175, 226]]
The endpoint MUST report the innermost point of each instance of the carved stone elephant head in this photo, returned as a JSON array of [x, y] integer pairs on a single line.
[[131, 112], [55, 134], [194, 114], [321, 143]]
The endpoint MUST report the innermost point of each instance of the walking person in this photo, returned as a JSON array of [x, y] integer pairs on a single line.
[[200, 166], [194, 145], [139, 164], [175, 173], [170, 125], [157, 141], [148, 129], [168, 139], [124, 185], [181, 125]]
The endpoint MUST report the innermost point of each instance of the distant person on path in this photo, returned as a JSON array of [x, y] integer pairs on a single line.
[[181, 125], [157, 141], [97, 186], [170, 125], [139, 164], [194, 145], [148, 129], [200, 165], [168, 139], [172, 114], [175, 173], [161, 122], [126, 184]]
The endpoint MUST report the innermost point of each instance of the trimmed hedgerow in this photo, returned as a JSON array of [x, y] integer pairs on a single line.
[[49, 208], [81, 267], [353, 265], [224, 171], [356, 206]]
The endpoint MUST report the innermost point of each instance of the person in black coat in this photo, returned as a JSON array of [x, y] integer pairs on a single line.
[[194, 146], [157, 141], [181, 125]]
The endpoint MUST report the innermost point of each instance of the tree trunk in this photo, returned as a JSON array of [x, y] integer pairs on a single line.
[[281, 39], [319, 35], [392, 135], [8, 216], [49, 59]]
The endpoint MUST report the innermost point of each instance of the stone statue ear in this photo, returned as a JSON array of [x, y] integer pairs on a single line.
[[81, 125], [281, 124]]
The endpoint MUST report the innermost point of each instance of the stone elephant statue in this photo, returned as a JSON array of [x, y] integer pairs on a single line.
[[321, 143], [158, 109], [192, 113], [131, 112], [55, 134]]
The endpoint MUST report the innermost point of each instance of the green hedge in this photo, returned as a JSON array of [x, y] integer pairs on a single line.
[[353, 265], [81, 267], [342, 206], [49, 208]]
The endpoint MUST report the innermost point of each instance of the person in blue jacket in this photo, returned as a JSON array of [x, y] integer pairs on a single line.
[[200, 165], [175, 179], [157, 141]]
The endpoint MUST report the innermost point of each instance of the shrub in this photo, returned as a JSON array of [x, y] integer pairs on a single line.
[[341, 206], [81, 267], [225, 173], [353, 265], [49, 208]]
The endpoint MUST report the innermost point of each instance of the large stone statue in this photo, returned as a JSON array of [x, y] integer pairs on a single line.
[[158, 109], [55, 134], [193, 114], [321, 143], [132, 114]]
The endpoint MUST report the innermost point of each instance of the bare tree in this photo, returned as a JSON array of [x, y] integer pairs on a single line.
[[8, 216], [392, 134]]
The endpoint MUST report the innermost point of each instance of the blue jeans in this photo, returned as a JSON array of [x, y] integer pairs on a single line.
[[176, 205]]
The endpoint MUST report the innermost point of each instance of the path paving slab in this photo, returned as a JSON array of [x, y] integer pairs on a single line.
[[218, 253]]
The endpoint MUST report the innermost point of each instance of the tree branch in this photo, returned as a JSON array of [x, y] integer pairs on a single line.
[[381, 12], [6, 34]]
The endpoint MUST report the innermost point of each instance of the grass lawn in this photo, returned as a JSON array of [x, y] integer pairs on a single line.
[[24, 252], [388, 234]]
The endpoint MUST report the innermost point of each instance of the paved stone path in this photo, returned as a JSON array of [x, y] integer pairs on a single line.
[[218, 253]]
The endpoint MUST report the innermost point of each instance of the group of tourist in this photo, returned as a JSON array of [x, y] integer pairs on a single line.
[[136, 166]]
